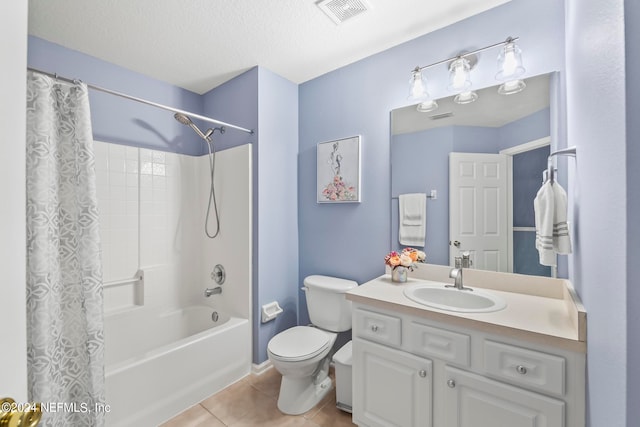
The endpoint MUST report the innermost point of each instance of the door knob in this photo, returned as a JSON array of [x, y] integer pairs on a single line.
[[451, 383], [422, 373], [456, 243]]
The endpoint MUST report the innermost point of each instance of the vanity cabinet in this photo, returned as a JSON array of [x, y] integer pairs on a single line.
[[416, 371], [475, 401], [395, 388]]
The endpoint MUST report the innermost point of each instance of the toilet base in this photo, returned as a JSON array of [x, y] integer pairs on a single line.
[[298, 395]]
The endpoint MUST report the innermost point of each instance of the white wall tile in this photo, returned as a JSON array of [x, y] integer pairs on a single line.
[[152, 207]]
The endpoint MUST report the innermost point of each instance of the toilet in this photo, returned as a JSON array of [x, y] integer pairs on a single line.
[[302, 353]]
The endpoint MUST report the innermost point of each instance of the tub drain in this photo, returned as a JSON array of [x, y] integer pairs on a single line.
[[215, 316]]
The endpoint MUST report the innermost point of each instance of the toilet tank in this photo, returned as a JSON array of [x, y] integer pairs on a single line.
[[328, 307]]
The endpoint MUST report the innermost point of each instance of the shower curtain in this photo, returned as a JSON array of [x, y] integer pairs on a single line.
[[65, 343]]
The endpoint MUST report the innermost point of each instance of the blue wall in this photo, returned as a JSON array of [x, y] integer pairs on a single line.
[[632, 40], [351, 240], [277, 176], [118, 120], [596, 124]]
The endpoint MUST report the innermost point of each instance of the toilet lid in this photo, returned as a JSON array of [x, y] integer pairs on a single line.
[[299, 342]]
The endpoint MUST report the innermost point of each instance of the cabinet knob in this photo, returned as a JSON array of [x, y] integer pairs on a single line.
[[374, 328], [451, 383], [521, 369], [422, 373]]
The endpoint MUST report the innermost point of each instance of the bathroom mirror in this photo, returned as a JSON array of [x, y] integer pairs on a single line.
[[515, 129]]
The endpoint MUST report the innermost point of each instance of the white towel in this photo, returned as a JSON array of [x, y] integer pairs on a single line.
[[552, 232], [561, 238], [412, 219]]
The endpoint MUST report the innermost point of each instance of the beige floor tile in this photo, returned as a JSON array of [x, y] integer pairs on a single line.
[[328, 399], [330, 416], [268, 382], [196, 416], [252, 401], [236, 402]]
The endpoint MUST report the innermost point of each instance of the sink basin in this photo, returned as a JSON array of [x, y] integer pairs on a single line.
[[451, 299]]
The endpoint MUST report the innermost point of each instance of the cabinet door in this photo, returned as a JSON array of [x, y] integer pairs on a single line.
[[475, 401], [391, 387]]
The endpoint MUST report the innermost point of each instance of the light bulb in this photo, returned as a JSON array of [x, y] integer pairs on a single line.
[[418, 87], [510, 62], [459, 79]]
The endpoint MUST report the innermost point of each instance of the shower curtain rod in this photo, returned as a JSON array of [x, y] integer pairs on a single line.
[[143, 101]]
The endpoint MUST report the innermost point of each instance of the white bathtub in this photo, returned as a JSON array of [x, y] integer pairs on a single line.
[[159, 365]]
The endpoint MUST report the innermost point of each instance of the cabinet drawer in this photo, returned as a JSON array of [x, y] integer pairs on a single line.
[[439, 343], [378, 327], [526, 367]]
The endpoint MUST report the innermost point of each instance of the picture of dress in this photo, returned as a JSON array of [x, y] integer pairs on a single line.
[[339, 171]]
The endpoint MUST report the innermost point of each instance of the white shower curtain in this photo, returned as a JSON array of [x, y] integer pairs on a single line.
[[65, 345]]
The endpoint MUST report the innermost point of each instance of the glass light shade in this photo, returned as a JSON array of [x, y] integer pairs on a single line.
[[510, 62], [427, 106], [511, 87], [465, 97], [418, 87], [459, 75]]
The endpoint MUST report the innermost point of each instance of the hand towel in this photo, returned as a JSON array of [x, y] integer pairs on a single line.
[[413, 208], [544, 212], [412, 219], [561, 238]]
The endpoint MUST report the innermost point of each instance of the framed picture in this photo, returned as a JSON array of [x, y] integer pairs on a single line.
[[339, 171]]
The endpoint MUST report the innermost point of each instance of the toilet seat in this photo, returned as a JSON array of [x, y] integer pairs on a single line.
[[299, 343]]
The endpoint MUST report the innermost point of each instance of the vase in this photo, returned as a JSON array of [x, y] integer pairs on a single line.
[[399, 274]]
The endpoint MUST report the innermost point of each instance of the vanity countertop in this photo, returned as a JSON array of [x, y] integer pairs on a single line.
[[540, 310]]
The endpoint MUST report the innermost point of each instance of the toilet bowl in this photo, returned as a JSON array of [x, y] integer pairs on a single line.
[[302, 353]]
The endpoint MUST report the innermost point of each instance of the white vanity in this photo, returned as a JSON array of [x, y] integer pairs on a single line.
[[415, 365]]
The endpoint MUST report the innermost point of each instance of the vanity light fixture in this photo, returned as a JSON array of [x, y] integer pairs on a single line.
[[460, 66], [418, 92], [459, 75], [460, 78], [510, 68]]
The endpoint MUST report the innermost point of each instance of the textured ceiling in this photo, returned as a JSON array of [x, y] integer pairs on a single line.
[[200, 44]]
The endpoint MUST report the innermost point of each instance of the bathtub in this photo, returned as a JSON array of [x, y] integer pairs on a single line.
[[158, 365]]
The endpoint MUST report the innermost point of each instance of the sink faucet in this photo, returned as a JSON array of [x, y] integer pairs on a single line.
[[456, 273], [212, 291]]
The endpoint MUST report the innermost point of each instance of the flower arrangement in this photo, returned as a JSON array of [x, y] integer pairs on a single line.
[[407, 258], [339, 190]]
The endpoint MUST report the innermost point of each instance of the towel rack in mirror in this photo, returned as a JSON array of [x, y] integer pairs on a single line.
[[550, 172]]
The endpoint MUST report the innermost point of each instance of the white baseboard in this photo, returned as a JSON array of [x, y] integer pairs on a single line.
[[261, 368]]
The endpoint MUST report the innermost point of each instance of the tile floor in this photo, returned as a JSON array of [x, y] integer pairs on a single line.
[[252, 402]]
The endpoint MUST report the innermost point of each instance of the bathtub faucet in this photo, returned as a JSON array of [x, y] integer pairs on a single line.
[[212, 291]]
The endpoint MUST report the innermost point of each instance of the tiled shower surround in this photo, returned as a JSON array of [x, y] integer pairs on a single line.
[[152, 207]]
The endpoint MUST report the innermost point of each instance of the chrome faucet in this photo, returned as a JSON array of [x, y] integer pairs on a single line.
[[212, 291], [456, 273]]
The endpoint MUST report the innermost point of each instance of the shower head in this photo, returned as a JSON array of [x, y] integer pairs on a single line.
[[186, 120]]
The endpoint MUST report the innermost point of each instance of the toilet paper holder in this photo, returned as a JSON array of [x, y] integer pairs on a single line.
[[270, 311]]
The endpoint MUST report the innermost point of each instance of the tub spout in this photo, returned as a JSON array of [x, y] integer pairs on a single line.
[[212, 291]]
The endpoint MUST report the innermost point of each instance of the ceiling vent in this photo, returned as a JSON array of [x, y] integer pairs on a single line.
[[340, 11]]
